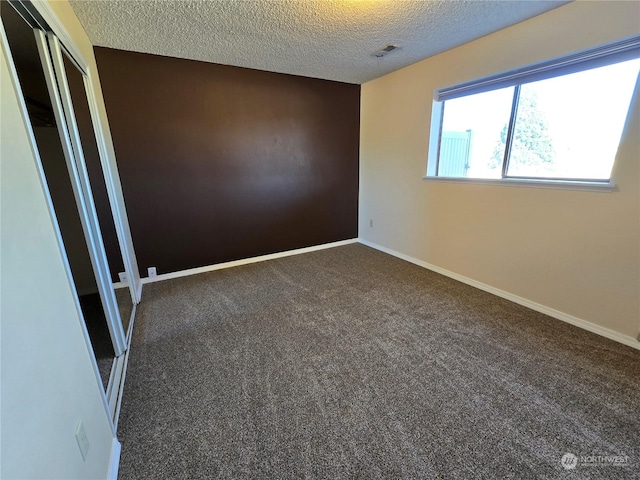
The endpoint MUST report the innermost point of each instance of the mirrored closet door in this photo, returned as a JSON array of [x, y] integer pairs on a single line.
[[76, 107], [56, 93]]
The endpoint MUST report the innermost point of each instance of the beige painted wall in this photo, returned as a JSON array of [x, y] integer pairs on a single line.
[[48, 379], [574, 251]]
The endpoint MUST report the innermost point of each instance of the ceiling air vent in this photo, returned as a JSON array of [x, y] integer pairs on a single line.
[[385, 51]]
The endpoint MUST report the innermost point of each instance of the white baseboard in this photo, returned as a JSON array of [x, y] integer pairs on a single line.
[[114, 461], [245, 261], [565, 317]]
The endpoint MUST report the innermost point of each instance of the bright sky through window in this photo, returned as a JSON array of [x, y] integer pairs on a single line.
[[566, 127]]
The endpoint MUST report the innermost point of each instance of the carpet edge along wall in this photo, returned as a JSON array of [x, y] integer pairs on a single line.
[[220, 163]]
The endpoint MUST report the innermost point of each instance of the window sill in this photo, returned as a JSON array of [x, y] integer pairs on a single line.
[[509, 182]]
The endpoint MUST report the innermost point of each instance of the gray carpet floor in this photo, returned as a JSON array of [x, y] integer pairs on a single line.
[[350, 363]]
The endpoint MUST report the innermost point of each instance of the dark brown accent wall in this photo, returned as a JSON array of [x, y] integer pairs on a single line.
[[220, 163]]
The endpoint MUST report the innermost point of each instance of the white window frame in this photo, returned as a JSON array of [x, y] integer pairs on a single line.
[[625, 49]]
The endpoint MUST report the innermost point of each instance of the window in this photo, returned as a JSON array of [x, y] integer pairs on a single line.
[[557, 121]]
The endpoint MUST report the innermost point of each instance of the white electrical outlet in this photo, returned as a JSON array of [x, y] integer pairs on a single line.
[[152, 272], [123, 277], [82, 439], [371, 223]]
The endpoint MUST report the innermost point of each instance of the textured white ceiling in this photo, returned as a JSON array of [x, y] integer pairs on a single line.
[[330, 39]]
